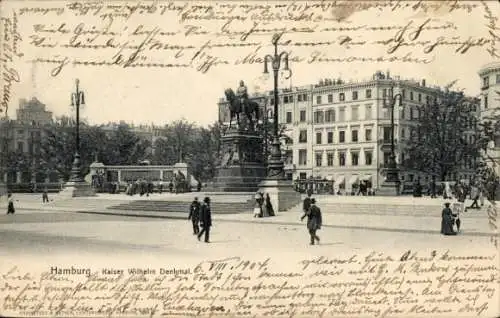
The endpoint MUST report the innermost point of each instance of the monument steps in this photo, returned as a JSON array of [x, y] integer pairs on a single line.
[[391, 209], [182, 206]]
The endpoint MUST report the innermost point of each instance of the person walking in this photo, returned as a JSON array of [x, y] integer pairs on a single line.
[[447, 221], [474, 195], [45, 195], [314, 221], [10, 205], [206, 220], [259, 201], [194, 215]]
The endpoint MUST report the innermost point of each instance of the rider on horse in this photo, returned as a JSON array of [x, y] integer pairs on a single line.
[[242, 93]]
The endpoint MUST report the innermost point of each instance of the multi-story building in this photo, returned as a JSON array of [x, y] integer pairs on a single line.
[[342, 131], [20, 143], [490, 107]]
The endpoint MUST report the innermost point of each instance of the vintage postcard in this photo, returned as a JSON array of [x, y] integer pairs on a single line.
[[249, 158]]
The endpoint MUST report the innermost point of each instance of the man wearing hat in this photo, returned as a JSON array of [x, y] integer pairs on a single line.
[[194, 215], [314, 221], [205, 219]]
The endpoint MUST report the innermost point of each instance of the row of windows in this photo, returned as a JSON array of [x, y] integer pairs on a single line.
[[486, 80], [330, 158]]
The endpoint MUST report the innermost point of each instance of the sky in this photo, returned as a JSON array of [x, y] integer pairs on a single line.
[[161, 95]]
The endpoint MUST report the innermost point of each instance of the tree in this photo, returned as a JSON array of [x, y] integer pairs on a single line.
[[124, 147], [206, 152], [440, 144]]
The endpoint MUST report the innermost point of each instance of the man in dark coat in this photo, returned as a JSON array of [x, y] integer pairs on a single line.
[[314, 221], [307, 203], [205, 219], [194, 215]]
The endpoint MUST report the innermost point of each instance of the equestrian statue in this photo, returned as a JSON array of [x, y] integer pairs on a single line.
[[240, 103]]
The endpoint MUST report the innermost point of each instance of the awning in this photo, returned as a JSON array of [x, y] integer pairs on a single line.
[[354, 179], [367, 177], [339, 180]]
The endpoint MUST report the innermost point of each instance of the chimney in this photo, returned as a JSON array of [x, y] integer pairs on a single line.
[[423, 82]]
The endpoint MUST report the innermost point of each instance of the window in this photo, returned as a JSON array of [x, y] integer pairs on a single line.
[[411, 95], [368, 112], [302, 116], [411, 112], [498, 79], [384, 92], [303, 176], [319, 159], [387, 134], [303, 136], [20, 132], [403, 93], [403, 132], [287, 99], [302, 157], [289, 157], [355, 113], [299, 97], [486, 82], [341, 136], [330, 137], [342, 114], [368, 158], [485, 101], [419, 97], [329, 159], [288, 117], [330, 116], [302, 97], [342, 97], [354, 158], [368, 93], [354, 136], [355, 95], [368, 135], [318, 138], [318, 117], [318, 99], [20, 146], [341, 159], [387, 158], [330, 98]]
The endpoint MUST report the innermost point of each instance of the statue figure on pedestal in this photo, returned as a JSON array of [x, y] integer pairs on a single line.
[[240, 103]]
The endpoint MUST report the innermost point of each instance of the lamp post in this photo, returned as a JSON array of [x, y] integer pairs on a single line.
[[275, 165], [77, 100], [392, 170]]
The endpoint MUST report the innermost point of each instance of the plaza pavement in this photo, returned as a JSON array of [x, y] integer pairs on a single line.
[[373, 216]]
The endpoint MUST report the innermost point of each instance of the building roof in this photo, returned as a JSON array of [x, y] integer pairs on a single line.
[[488, 68]]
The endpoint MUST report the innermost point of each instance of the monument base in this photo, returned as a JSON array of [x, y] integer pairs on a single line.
[[239, 178], [77, 189], [282, 194], [389, 189]]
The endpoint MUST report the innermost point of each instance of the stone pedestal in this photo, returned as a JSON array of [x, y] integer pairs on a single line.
[[77, 189], [282, 194], [389, 189], [242, 167]]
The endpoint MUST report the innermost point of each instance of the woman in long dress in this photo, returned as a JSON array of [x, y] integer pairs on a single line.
[[269, 206], [10, 206], [447, 221], [257, 210]]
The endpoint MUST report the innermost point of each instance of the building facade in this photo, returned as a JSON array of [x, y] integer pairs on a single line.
[[20, 144], [342, 131], [490, 108]]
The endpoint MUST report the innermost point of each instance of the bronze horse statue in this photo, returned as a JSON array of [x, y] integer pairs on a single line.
[[236, 106]]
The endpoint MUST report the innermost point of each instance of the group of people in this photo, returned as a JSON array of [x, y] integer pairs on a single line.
[[263, 206], [200, 214]]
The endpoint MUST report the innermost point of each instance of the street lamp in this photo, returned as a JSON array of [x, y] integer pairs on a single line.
[[392, 170], [77, 100], [275, 165]]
